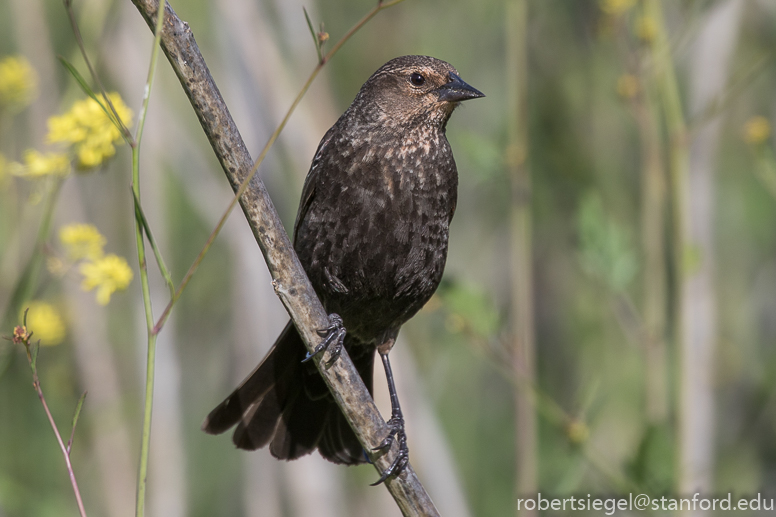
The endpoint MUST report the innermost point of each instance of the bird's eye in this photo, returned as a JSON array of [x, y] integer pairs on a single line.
[[417, 79]]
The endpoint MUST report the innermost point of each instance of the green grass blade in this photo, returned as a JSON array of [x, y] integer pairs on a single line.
[[88, 90], [158, 254], [314, 35], [76, 414]]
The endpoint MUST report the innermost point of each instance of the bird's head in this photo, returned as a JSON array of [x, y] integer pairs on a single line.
[[412, 91]]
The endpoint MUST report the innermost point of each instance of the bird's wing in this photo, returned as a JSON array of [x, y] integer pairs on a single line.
[[308, 191]]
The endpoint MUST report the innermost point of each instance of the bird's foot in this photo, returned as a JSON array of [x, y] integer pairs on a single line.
[[333, 336], [396, 432]]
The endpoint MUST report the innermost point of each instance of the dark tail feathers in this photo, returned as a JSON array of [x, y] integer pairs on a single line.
[[285, 403]]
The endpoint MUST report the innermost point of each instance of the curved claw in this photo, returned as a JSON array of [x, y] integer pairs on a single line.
[[385, 445], [336, 351], [334, 335], [402, 459], [399, 464]]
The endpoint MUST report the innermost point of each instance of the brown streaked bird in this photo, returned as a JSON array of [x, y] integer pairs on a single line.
[[371, 233]]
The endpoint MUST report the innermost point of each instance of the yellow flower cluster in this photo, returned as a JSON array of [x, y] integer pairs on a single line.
[[18, 83], [38, 165], [89, 130], [45, 322], [82, 241], [757, 130], [106, 273]]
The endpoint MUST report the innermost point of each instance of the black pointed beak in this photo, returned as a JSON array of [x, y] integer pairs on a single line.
[[457, 90]]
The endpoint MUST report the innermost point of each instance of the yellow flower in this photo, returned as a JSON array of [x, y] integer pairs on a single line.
[[627, 86], [38, 165], [18, 83], [82, 241], [45, 322], [87, 127], [757, 130], [646, 28], [615, 7], [108, 274]]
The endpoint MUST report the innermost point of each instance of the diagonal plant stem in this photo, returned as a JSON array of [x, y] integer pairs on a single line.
[[289, 279], [22, 336], [65, 450]]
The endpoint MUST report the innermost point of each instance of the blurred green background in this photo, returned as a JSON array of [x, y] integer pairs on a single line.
[[607, 319]]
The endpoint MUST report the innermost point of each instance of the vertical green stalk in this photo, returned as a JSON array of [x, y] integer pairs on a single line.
[[668, 91], [142, 475], [522, 312], [679, 165], [655, 279]]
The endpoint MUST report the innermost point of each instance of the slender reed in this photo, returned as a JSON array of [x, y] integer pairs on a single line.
[[145, 440], [522, 311]]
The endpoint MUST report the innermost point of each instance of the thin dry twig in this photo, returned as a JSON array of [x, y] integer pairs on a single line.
[[23, 337]]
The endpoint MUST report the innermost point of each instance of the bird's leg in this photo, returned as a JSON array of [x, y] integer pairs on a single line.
[[333, 336], [396, 429]]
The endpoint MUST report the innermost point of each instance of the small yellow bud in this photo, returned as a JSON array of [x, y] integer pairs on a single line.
[[577, 432], [20, 335], [757, 130]]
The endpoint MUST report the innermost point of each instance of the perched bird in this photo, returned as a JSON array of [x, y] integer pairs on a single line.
[[371, 233]]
